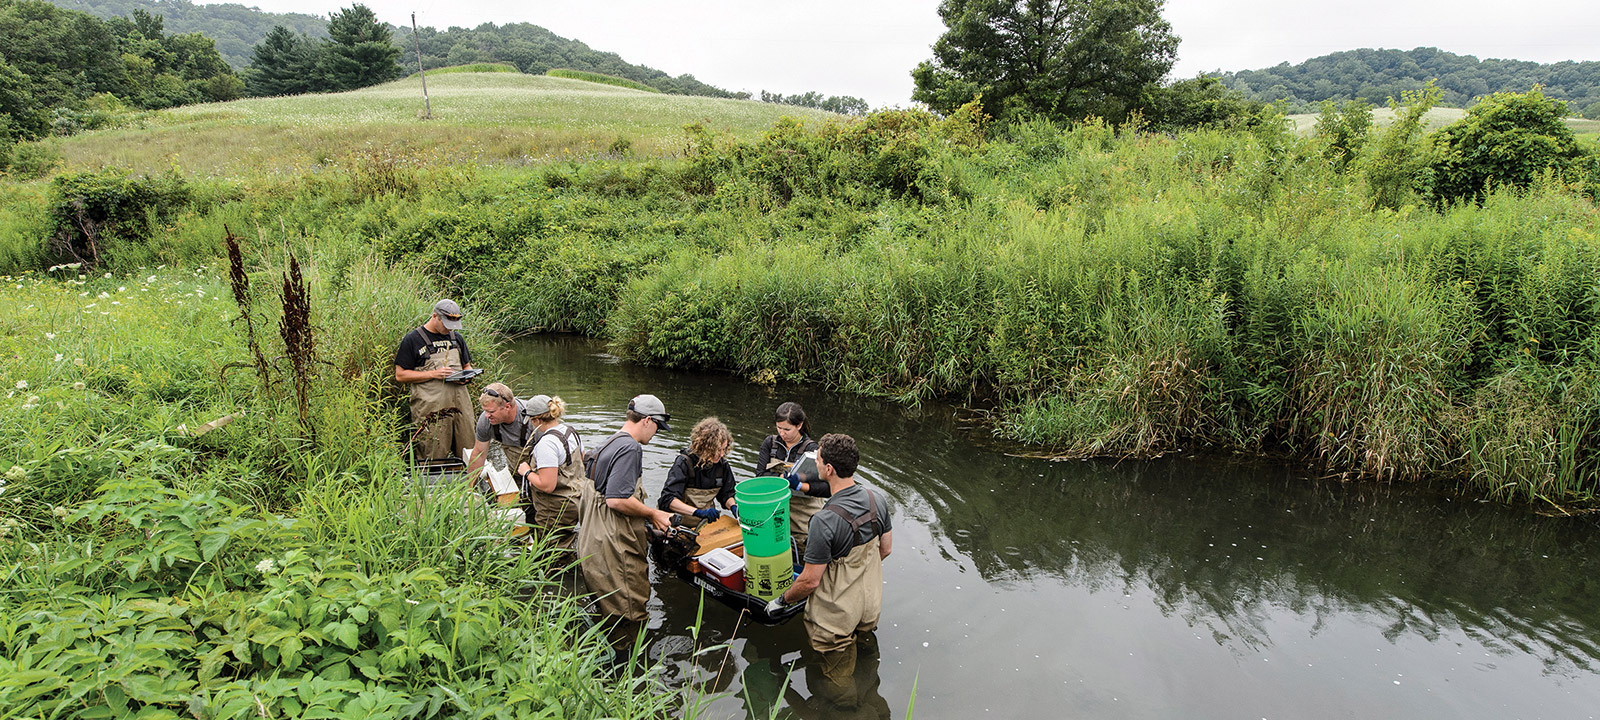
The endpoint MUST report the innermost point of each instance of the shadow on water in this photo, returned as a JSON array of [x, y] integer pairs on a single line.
[[1172, 588]]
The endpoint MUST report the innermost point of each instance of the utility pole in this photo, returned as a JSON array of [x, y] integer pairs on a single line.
[[426, 104]]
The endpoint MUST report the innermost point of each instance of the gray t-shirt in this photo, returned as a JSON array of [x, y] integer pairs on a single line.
[[510, 433], [618, 466], [829, 537]]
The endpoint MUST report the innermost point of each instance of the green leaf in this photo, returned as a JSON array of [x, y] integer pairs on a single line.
[[211, 543]]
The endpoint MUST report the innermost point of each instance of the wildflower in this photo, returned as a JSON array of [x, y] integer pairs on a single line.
[[60, 512], [49, 336], [33, 402], [108, 276], [58, 357], [79, 386], [78, 361], [22, 384], [122, 288], [16, 474], [266, 566], [103, 295], [5, 527], [150, 279]]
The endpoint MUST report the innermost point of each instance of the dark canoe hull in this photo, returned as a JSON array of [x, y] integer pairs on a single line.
[[673, 553]]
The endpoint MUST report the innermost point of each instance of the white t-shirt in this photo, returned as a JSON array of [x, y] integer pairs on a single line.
[[548, 452]]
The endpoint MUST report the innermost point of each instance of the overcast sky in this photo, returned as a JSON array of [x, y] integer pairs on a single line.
[[867, 48]]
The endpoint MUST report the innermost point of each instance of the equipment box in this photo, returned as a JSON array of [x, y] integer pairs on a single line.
[[725, 567]]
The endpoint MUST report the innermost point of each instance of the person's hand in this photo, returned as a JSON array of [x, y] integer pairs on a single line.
[[441, 373], [734, 511], [662, 520], [774, 605], [708, 514], [794, 482]]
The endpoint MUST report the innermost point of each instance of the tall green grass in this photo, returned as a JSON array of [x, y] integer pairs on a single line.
[[601, 78]]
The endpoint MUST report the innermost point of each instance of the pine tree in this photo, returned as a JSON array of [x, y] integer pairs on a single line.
[[283, 63], [359, 52]]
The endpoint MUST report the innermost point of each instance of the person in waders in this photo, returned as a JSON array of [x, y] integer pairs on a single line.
[[700, 477], [777, 458], [553, 473], [441, 410], [843, 575], [501, 440], [613, 517]]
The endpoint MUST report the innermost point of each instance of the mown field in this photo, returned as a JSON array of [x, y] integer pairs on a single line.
[[1097, 291]]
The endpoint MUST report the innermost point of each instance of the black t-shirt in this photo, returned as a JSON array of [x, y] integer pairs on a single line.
[[618, 465], [418, 344]]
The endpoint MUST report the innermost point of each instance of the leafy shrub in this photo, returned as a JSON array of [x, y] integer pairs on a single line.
[[91, 211], [1395, 165], [1506, 139], [1343, 131]]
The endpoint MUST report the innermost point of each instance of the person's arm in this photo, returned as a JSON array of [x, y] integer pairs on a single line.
[[405, 377], [764, 456], [804, 585], [631, 506], [677, 482], [885, 544], [680, 507], [476, 463], [725, 495]]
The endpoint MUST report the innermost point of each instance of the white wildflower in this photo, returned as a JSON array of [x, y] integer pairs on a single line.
[[122, 288], [79, 386], [108, 276], [49, 336], [265, 567], [59, 356], [79, 362], [150, 279], [103, 295], [33, 402], [60, 512], [22, 384], [16, 474]]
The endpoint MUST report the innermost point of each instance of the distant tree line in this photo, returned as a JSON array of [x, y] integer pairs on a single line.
[[358, 52], [842, 104], [62, 70], [535, 50], [235, 28], [1376, 75]]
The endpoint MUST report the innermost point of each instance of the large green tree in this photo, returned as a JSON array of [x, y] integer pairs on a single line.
[[1062, 59], [283, 63], [359, 51]]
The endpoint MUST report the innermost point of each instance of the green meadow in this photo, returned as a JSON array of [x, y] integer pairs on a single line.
[[1091, 290]]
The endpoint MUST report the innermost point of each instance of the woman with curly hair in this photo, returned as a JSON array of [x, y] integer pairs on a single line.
[[700, 477]]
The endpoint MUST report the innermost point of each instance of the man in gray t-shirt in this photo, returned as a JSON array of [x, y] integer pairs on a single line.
[[843, 577], [612, 516], [500, 438]]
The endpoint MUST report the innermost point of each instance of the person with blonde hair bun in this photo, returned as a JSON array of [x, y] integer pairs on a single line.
[[701, 477], [551, 481]]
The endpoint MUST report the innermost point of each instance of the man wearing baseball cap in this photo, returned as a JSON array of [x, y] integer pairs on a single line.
[[612, 517], [440, 410]]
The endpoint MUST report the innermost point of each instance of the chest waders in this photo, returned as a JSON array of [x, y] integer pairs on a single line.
[[556, 513], [612, 549], [439, 434], [850, 596], [513, 455]]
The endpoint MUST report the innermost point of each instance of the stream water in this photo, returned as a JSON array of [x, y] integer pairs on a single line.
[[1176, 588]]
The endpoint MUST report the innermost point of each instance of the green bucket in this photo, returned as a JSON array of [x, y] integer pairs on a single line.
[[763, 515]]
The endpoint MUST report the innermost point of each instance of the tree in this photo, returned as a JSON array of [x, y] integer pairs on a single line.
[[283, 63], [1200, 102], [1507, 139], [1061, 59], [359, 51]]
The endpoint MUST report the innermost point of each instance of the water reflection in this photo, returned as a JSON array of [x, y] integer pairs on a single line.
[[1174, 588]]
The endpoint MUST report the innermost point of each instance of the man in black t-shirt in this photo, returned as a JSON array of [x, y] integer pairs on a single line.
[[440, 410]]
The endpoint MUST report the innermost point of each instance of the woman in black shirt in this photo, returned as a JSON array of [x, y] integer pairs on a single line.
[[700, 477]]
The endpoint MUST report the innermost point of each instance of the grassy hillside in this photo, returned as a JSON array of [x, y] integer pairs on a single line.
[[494, 118]]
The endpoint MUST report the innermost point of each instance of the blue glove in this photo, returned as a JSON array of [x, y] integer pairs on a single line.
[[775, 605], [733, 510], [794, 482], [708, 514]]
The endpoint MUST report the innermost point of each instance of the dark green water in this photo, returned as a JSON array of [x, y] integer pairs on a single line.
[[1179, 588]]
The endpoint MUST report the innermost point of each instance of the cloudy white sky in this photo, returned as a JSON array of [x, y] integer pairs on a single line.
[[867, 48]]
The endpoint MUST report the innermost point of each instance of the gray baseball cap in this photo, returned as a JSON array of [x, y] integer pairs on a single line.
[[449, 313], [651, 406], [536, 406]]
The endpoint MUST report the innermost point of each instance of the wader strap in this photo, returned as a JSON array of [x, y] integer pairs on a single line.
[[589, 471], [870, 516], [566, 440]]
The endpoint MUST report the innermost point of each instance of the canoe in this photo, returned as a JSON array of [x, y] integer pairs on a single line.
[[679, 549]]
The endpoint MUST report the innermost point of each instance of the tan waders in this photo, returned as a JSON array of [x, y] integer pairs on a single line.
[[612, 547], [701, 499], [801, 508], [441, 433], [556, 513]]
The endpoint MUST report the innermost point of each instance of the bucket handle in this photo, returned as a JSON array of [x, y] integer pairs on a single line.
[[765, 520]]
